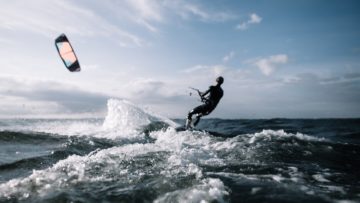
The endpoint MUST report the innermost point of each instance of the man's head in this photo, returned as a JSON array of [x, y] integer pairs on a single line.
[[219, 80]]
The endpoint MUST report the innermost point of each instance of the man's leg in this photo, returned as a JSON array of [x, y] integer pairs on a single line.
[[196, 110], [188, 121], [198, 116], [199, 111], [203, 111]]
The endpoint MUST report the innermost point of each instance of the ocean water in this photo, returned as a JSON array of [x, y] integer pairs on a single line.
[[137, 156]]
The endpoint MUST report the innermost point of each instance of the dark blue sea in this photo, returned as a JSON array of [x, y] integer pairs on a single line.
[[133, 155]]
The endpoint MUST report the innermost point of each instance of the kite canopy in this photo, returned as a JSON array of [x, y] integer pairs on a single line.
[[67, 53]]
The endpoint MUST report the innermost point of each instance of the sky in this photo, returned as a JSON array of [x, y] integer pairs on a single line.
[[279, 58]]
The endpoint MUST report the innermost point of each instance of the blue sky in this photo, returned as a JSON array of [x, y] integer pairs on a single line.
[[294, 59]]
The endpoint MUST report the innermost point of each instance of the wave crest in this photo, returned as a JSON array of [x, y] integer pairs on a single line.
[[128, 118]]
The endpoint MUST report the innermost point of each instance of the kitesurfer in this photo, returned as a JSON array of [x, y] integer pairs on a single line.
[[214, 93]]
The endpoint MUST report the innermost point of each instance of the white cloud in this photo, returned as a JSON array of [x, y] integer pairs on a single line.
[[197, 11], [142, 12], [208, 16], [268, 65], [253, 19], [215, 70], [6, 41], [49, 18], [115, 20], [30, 95], [90, 67], [195, 69], [149, 10], [152, 14], [147, 25], [228, 56], [141, 86], [11, 106], [190, 11]]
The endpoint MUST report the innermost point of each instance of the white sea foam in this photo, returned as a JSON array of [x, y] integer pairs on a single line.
[[185, 151], [67, 127], [209, 190], [77, 169], [255, 190], [333, 188], [320, 178], [188, 147], [234, 175], [278, 135], [346, 201]]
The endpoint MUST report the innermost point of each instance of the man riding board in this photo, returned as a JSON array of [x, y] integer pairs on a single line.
[[210, 98]]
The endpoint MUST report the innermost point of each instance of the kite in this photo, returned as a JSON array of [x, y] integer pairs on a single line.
[[67, 53]]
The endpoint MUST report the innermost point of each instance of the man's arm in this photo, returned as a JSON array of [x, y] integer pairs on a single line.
[[202, 95]]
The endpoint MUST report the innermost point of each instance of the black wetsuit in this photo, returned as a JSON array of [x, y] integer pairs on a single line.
[[215, 94]]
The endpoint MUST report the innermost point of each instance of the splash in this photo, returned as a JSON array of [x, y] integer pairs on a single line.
[[128, 118], [123, 120]]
